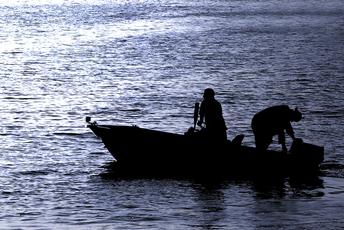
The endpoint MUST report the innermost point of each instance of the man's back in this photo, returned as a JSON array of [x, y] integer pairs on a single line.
[[272, 119], [212, 112]]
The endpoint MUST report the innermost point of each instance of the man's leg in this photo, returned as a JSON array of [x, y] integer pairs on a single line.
[[262, 143]]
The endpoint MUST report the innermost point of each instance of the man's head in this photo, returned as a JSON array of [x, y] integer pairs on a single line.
[[208, 93], [296, 115]]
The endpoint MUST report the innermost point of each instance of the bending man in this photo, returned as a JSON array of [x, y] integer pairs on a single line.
[[274, 121]]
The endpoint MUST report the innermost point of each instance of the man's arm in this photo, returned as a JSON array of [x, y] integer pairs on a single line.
[[290, 131], [201, 115]]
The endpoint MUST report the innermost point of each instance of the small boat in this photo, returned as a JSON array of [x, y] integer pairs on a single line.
[[140, 151]]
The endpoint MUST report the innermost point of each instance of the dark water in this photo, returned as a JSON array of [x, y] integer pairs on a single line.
[[146, 63]]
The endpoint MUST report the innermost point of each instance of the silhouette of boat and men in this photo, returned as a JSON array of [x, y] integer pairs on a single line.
[[206, 151]]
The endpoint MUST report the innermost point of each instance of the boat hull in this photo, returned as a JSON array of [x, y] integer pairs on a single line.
[[149, 152]]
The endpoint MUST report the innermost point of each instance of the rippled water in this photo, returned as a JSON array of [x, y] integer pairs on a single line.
[[146, 63]]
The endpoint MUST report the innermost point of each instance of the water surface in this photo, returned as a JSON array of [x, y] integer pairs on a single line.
[[147, 63]]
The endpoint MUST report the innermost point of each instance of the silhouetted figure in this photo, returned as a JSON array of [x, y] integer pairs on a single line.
[[211, 112], [274, 121]]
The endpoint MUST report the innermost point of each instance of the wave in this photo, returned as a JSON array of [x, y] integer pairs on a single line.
[[332, 169]]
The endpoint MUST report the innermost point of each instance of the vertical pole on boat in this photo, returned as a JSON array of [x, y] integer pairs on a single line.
[[196, 114]]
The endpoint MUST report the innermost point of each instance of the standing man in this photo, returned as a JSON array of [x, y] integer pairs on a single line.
[[211, 113], [274, 121]]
